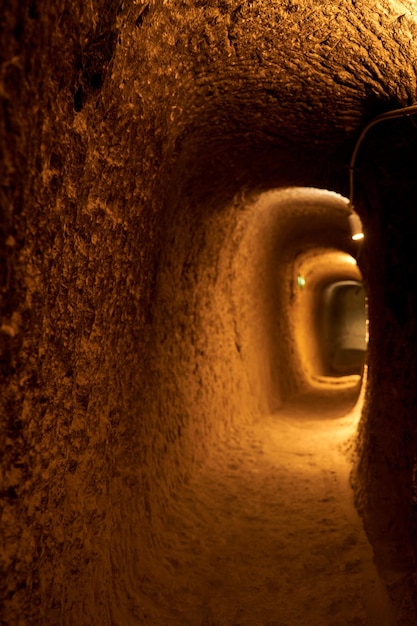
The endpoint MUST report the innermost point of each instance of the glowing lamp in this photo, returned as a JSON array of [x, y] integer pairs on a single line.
[[356, 227]]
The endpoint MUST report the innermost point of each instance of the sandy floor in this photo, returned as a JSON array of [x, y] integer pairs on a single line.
[[266, 534]]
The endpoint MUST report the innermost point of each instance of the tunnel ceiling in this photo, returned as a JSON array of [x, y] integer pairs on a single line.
[[241, 120], [323, 266], [223, 91]]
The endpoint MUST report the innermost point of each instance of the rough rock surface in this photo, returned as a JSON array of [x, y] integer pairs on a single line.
[[135, 136]]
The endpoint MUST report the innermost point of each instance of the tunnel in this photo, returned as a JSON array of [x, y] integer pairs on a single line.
[[208, 388]]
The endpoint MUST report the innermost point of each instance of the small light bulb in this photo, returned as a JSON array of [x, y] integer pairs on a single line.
[[355, 226]]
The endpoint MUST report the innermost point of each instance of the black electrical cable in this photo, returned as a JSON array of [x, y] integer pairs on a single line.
[[389, 115]]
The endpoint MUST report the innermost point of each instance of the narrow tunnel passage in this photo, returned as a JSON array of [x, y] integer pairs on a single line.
[[265, 527], [158, 410]]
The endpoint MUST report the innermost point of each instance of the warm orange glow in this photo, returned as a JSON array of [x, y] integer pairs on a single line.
[[350, 259], [309, 329], [355, 224]]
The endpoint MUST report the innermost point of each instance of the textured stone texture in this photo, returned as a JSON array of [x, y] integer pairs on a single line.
[[133, 136]]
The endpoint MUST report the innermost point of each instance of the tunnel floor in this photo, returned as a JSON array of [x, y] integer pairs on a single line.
[[266, 534]]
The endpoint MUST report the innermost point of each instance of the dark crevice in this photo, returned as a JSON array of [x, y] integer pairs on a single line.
[[78, 99], [143, 12]]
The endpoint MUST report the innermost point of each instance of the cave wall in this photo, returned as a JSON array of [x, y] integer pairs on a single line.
[[386, 488], [131, 135]]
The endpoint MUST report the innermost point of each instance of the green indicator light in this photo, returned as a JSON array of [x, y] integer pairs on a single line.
[[301, 281]]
